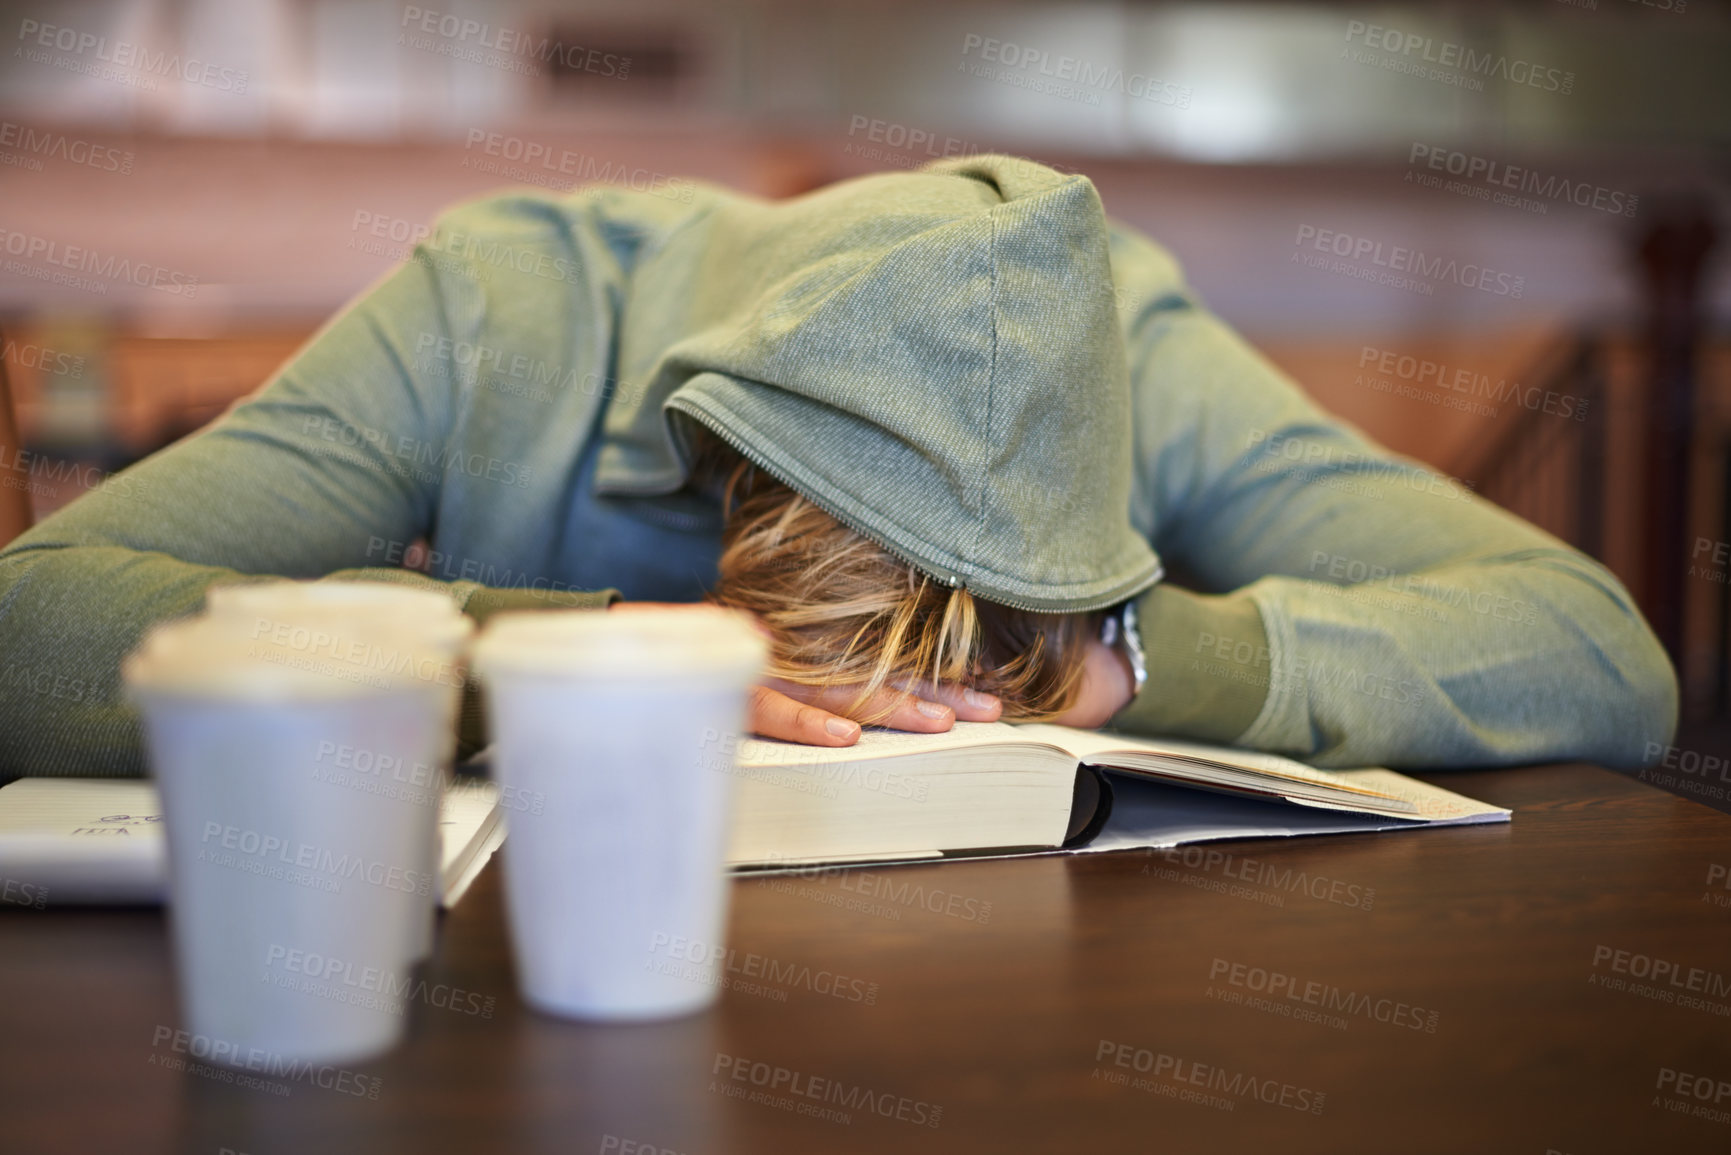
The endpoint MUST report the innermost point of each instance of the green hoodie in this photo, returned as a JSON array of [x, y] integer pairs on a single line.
[[936, 361], [968, 364]]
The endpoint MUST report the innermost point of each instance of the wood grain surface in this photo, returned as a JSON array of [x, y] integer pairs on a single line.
[[1457, 990]]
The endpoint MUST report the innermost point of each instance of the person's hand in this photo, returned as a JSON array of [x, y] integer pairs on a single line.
[[821, 715], [1108, 684]]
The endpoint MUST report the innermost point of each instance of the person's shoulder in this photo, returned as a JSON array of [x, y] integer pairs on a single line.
[[1146, 276], [653, 204]]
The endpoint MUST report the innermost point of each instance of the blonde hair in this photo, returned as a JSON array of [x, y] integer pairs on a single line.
[[844, 611]]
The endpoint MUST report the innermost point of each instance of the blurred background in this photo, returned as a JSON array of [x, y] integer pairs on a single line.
[[1490, 234]]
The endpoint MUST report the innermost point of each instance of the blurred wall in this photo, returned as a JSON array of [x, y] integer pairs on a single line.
[[256, 163]]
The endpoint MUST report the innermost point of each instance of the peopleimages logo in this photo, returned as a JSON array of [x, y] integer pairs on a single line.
[[403, 454], [1300, 670], [42, 358], [1189, 1072], [536, 163], [1695, 770], [1277, 985], [373, 988], [1215, 861], [1422, 371], [744, 757], [1388, 259], [58, 146], [121, 54], [1662, 980], [1718, 875], [1457, 63], [37, 473], [1496, 175], [305, 863], [1037, 70], [20, 893], [897, 145], [464, 38], [1700, 1096], [722, 965], [1356, 571], [801, 1093], [1278, 447], [108, 266], [506, 371], [1688, 761], [268, 1063]]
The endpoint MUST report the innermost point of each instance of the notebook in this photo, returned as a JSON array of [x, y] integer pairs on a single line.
[[99, 840]]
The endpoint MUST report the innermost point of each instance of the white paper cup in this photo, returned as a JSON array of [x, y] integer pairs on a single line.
[[617, 724], [343, 612], [293, 897], [266, 608]]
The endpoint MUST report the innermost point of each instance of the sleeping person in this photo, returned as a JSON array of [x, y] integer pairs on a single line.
[[966, 447]]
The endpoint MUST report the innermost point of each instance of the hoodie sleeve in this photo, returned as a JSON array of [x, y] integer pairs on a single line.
[[338, 453], [1348, 606]]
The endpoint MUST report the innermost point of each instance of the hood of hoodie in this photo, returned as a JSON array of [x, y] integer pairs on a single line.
[[933, 357]]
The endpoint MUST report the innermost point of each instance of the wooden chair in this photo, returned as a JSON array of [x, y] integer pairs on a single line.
[[15, 513]]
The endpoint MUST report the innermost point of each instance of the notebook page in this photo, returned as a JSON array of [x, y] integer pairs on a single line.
[[84, 840], [471, 828], [91, 840], [93, 808]]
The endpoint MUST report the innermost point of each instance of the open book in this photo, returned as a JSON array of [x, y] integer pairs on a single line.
[[100, 840], [982, 789], [988, 788]]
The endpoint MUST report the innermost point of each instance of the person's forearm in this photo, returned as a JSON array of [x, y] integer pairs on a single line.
[[1536, 657], [1477, 664], [1388, 614], [72, 613], [1207, 659]]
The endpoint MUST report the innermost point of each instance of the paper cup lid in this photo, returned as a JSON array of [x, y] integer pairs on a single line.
[[214, 657], [688, 640], [268, 606]]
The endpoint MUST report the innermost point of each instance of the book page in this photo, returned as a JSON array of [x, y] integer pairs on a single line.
[[877, 742], [1097, 747], [1084, 744], [1434, 803], [1154, 815]]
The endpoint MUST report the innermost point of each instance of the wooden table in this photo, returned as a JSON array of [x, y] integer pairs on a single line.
[[1485, 998]]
